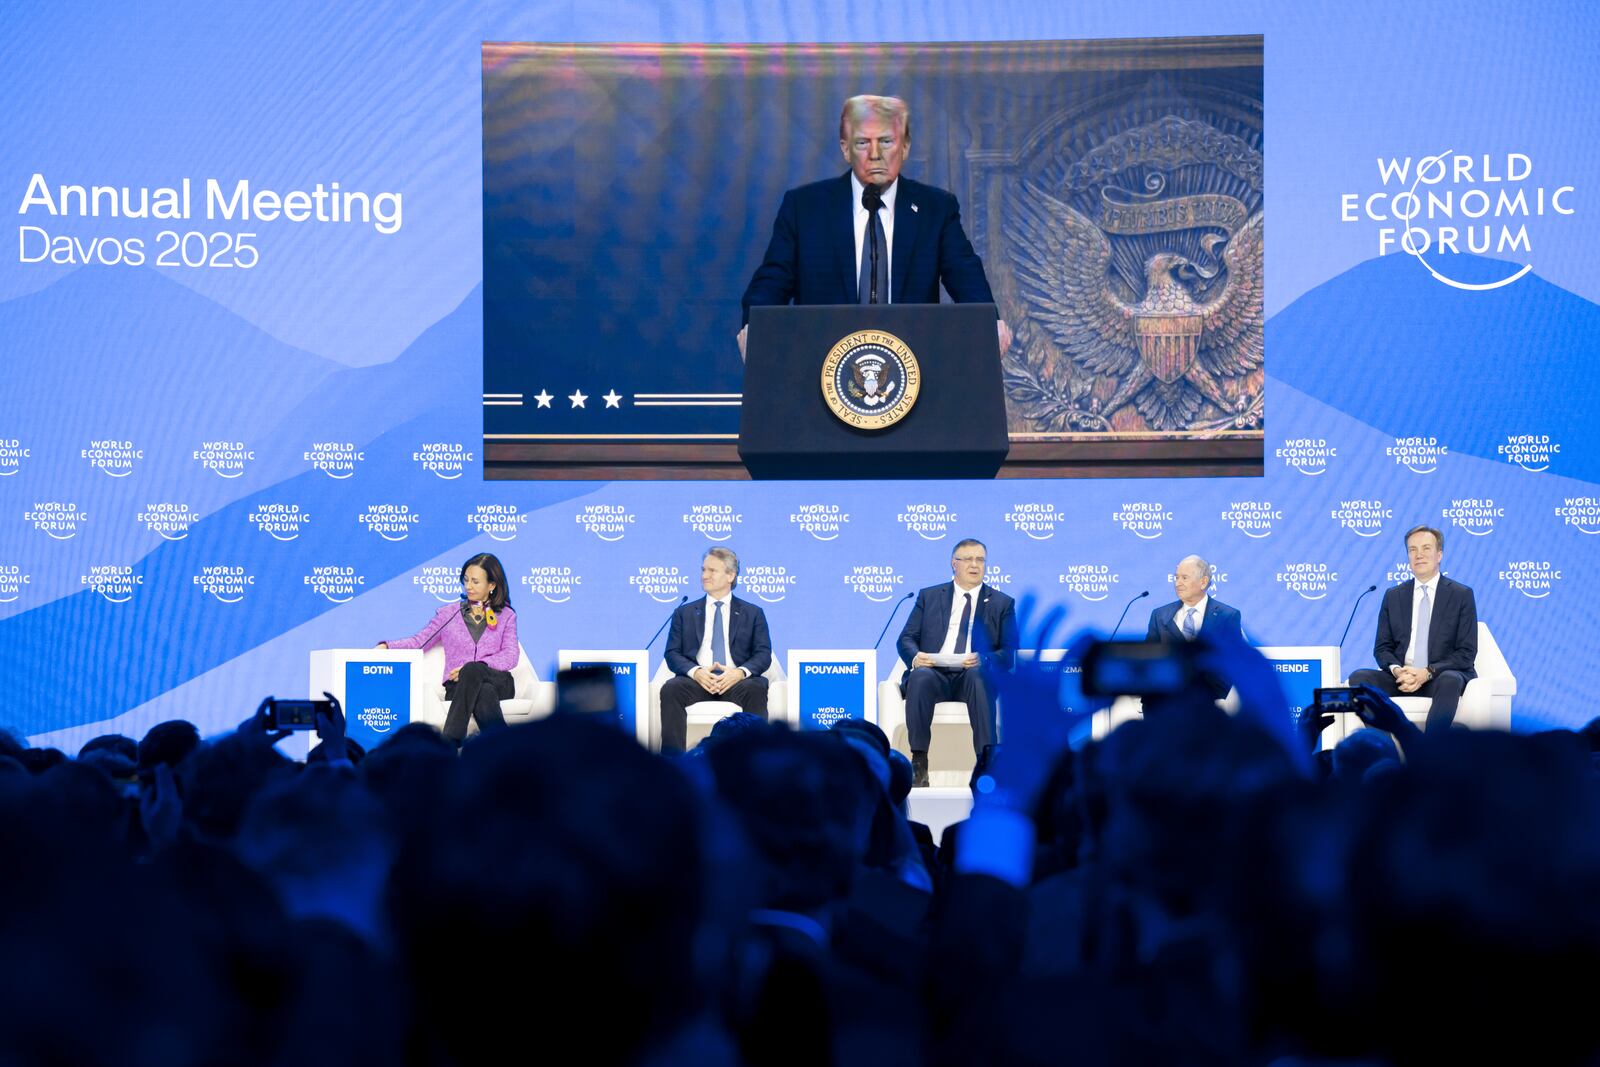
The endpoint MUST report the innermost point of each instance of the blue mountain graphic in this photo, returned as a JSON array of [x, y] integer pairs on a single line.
[[1387, 344]]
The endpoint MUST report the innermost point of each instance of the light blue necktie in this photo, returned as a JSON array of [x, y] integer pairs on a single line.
[[1424, 617], [719, 644], [1188, 625]]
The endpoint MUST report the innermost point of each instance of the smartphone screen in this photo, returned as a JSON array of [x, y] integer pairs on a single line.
[[1136, 668], [295, 714]]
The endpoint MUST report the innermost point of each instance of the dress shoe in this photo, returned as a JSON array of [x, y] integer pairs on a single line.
[[919, 769]]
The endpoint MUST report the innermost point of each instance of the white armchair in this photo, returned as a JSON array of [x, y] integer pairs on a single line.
[[1486, 702], [950, 756], [707, 713], [532, 698]]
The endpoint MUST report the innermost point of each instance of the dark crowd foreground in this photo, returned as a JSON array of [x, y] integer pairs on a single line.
[[1194, 889]]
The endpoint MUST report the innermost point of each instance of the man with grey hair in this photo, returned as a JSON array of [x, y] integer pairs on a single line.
[[718, 649], [829, 234], [1194, 610]]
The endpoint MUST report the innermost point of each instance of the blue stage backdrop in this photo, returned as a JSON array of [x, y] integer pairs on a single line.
[[241, 422]]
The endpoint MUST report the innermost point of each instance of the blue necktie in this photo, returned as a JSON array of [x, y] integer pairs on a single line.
[[719, 645], [873, 234], [966, 624], [1424, 617], [1188, 625]]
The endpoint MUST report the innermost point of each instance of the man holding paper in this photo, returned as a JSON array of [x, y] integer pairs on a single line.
[[947, 659]]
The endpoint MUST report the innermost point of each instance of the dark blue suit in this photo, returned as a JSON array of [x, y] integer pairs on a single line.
[[811, 258], [1166, 626], [749, 646], [923, 687], [1452, 652]]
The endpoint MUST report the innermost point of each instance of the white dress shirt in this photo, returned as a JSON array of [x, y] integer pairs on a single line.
[[704, 658], [885, 219], [1432, 586], [1199, 615], [953, 631]]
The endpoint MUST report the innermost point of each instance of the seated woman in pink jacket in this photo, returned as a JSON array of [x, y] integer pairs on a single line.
[[479, 636]]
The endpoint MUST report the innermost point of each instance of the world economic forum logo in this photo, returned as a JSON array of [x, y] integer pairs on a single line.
[[1093, 582], [931, 522], [1473, 515], [336, 459], [555, 584], [60, 519], [768, 582], [112, 458], [824, 522], [440, 581], [380, 719], [1419, 455], [715, 521], [170, 520], [116, 582], [443, 459], [225, 459], [227, 582], [1308, 581], [337, 584], [1401, 572], [500, 522], [1308, 455], [1454, 203], [1580, 512], [281, 522], [1145, 519], [12, 453], [13, 579], [609, 522], [1530, 451], [1534, 579], [1364, 518], [1035, 519], [1253, 518], [392, 522], [877, 582], [663, 584]]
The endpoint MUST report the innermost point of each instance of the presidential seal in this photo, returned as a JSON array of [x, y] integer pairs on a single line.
[[870, 380]]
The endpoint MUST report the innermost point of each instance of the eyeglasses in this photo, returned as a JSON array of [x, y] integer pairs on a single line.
[[970, 559]]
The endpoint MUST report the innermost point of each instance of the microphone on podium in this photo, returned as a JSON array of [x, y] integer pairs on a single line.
[[1124, 614], [1352, 617], [684, 599], [892, 613]]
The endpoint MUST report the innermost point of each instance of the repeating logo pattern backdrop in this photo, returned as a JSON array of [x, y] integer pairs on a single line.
[[205, 473]]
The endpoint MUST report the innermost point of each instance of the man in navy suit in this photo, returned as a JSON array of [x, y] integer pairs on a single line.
[[1427, 642], [1194, 610], [822, 241], [718, 648], [944, 625]]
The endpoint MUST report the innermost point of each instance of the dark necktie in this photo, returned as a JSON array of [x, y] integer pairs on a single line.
[[719, 645], [872, 289], [966, 623]]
